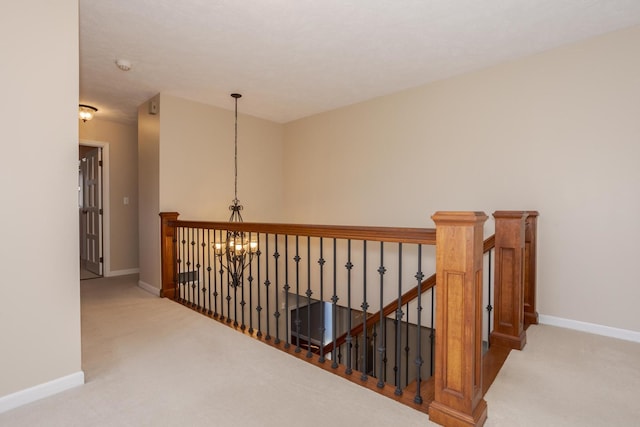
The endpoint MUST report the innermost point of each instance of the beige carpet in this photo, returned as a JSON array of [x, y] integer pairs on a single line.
[[151, 362]]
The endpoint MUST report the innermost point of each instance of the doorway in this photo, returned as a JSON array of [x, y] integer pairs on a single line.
[[90, 201]]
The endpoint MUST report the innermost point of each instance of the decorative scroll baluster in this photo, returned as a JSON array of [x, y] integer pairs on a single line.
[[258, 306], [364, 307], [198, 265], [237, 281], [176, 273], [489, 306], [222, 298], [321, 262], [209, 312], [250, 330], [276, 256], [286, 292], [419, 277], [374, 343], [432, 334], [217, 273], [309, 293], [202, 267], [188, 267], [398, 324], [181, 267], [334, 311], [406, 348], [383, 335], [357, 349], [267, 283], [297, 258], [195, 293], [349, 339]]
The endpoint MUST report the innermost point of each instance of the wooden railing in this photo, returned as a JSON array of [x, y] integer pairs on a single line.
[[264, 302]]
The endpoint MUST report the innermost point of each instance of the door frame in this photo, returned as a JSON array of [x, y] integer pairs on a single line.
[[106, 217]]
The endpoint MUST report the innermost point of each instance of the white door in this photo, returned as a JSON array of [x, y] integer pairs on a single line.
[[91, 211]]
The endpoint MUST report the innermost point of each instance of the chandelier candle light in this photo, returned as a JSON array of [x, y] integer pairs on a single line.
[[238, 249]]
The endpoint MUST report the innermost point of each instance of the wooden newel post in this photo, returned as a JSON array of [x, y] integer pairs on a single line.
[[168, 253], [458, 360], [530, 251], [508, 313]]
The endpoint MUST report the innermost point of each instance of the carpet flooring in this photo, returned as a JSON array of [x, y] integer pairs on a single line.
[[151, 362]]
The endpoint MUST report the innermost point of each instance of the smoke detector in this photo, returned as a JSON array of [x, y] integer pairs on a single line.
[[123, 64]]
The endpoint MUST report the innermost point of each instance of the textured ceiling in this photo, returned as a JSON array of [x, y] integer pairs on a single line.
[[295, 58]]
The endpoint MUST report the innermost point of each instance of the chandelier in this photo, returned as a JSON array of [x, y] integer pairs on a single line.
[[236, 250]]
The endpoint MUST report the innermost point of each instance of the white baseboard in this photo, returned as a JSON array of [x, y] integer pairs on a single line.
[[40, 391], [114, 273], [149, 288], [593, 328]]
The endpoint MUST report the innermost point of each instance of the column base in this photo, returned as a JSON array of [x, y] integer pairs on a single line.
[[530, 318], [446, 416], [509, 341]]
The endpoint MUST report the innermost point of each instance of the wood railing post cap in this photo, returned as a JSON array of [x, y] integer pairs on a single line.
[[459, 217], [511, 214]]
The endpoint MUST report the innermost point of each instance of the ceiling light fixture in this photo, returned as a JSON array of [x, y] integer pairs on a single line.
[[239, 247], [86, 112], [123, 64]]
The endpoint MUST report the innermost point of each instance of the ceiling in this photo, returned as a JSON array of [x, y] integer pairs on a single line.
[[295, 58]]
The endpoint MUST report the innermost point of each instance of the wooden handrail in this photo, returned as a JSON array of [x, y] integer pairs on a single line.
[[488, 244], [426, 236]]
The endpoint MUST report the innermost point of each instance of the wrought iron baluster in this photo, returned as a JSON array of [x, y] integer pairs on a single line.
[[399, 314], [309, 293], [357, 351], [286, 288], [364, 307], [237, 281], [188, 267], [489, 306], [217, 241], [209, 312], [180, 281], [251, 289], [349, 267], [406, 348], [334, 311], [432, 334], [276, 314], [297, 258], [176, 252], [321, 262], [243, 303], [419, 277], [383, 337], [258, 306], [267, 283], [198, 265]]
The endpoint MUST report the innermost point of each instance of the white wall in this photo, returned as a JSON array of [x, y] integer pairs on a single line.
[[558, 132], [40, 303]]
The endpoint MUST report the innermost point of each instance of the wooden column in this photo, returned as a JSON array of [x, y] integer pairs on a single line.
[[508, 307], [168, 253], [458, 359], [530, 255]]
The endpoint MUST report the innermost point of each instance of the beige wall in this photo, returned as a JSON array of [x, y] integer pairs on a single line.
[[123, 177], [201, 186], [149, 194], [40, 303], [188, 150], [558, 132]]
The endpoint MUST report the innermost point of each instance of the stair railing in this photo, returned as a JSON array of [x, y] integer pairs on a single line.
[[340, 273]]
